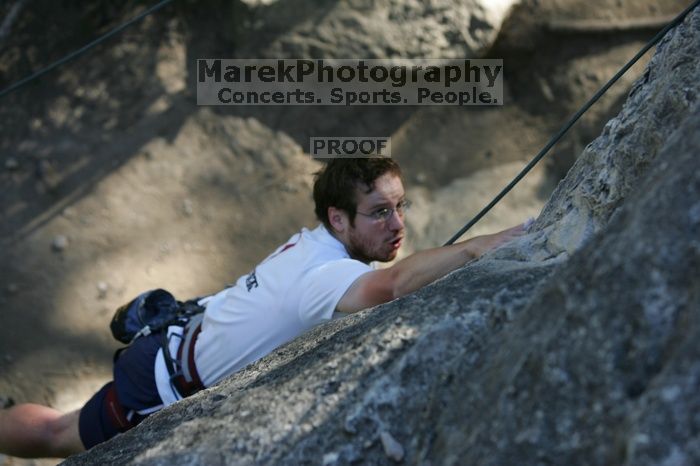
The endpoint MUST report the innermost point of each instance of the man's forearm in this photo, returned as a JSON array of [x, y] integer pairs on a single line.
[[417, 270], [421, 268], [424, 267]]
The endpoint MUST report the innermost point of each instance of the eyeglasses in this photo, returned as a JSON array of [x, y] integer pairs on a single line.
[[385, 213]]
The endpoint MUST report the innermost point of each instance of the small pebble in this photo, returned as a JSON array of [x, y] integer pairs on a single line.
[[349, 426], [330, 458], [59, 243], [669, 394], [11, 164], [187, 207], [6, 402], [392, 448], [288, 187], [102, 288]]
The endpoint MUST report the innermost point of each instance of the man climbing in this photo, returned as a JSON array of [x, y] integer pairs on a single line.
[[317, 273]]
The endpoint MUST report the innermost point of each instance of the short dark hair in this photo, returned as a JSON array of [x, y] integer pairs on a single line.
[[335, 184]]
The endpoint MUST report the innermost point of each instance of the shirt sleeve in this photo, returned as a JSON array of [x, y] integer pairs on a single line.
[[323, 287]]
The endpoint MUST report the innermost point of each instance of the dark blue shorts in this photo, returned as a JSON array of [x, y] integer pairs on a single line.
[[115, 407]]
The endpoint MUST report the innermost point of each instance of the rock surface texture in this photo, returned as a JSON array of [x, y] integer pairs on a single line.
[[376, 29], [575, 345]]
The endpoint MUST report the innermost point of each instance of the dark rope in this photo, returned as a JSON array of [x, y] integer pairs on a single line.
[[82, 50], [573, 120]]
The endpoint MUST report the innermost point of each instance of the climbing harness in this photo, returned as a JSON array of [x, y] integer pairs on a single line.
[[184, 377], [154, 312]]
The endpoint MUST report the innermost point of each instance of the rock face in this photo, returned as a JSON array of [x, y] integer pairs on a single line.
[[610, 167], [375, 29], [575, 345]]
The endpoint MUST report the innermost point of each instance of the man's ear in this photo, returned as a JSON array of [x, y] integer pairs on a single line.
[[338, 219]]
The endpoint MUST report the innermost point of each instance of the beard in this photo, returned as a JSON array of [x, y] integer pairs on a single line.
[[366, 249]]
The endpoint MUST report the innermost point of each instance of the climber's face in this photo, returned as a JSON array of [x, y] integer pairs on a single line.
[[377, 231]]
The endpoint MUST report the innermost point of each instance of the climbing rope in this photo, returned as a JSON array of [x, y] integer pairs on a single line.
[[83, 49], [573, 120]]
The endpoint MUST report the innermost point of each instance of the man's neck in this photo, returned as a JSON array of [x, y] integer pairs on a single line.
[[349, 251]]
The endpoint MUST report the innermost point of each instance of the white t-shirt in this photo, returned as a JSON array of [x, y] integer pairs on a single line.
[[294, 289]]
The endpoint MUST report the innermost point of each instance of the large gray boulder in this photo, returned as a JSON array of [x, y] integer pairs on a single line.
[[577, 344], [372, 29]]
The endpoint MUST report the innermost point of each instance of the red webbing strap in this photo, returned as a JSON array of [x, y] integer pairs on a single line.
[[188, 381], [115, 411]]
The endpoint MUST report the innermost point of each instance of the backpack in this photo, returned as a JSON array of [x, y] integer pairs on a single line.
[[150, 312]]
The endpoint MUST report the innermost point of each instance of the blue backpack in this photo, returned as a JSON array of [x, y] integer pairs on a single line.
[[150, 312]]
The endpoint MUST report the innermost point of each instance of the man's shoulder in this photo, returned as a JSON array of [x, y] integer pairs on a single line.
[[320, 241]]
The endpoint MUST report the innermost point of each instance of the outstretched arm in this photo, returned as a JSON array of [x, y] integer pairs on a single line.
[[418, 270]]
